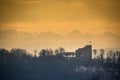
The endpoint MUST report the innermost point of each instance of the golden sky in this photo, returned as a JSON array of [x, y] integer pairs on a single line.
[[60, 16]]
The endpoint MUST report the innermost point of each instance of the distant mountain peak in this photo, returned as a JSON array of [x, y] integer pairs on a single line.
[[49, 34], [110, 34], [75, 31], [107, 32]]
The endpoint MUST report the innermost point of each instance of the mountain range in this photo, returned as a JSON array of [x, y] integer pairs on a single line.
[[75, 38]]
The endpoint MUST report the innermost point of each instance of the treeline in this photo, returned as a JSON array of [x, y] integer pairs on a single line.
[[24, 54], [107, 57], [18, 64]]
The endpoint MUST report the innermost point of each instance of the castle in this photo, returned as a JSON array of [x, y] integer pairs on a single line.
[[85, 52]]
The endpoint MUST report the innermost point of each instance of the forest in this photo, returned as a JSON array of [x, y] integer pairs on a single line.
[[19, 64]]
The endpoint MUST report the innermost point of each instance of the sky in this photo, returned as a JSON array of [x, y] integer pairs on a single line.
[[57, 21]]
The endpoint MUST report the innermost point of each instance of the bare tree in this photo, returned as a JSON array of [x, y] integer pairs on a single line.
[[3, 55], [42, 52], [111, 52], [35, 51], [50, 52], [46, 52], [95, 52], [118, 56], [19, 52], [101, 53], [59, 50], [56, 51], [114, 58]]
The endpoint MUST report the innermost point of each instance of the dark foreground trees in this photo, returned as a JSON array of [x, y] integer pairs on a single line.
[[18, 64]]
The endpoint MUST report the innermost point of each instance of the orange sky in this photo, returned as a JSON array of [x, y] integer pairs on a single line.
[[62, 28], [60, 16]]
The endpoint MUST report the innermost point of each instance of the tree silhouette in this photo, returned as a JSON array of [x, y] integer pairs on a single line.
[[49, 52], [35, 51], [56, 51], [95, 52], [3, 55], [59, 50], [46, 52], [101, 53], [43, 53], [19, 52]]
